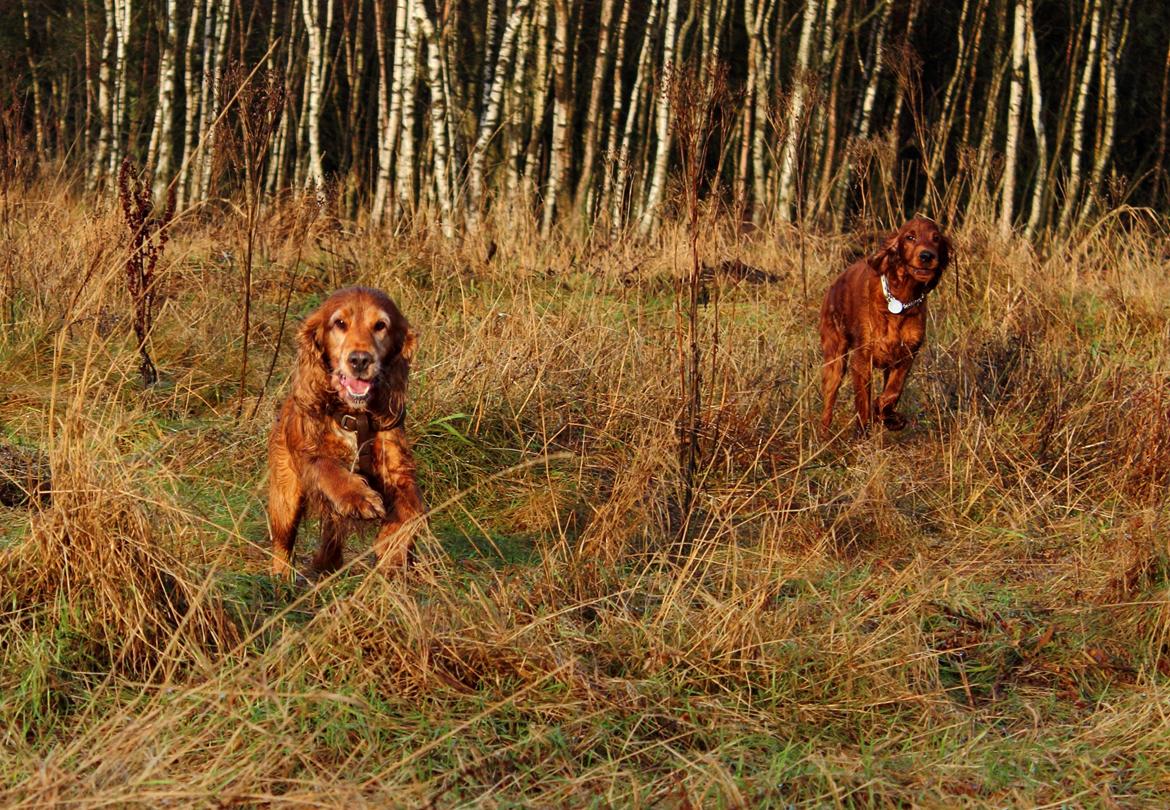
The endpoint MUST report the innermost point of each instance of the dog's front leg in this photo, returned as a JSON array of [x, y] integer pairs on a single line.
[[404, 508], [348, 492]]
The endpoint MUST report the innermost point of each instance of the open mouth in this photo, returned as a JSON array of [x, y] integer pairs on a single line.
[[355, 390], [922, 273]]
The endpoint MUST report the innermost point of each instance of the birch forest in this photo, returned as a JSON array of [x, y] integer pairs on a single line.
[[1036, 113]]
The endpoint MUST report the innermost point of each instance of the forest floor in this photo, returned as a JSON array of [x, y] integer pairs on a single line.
[[973, 611]]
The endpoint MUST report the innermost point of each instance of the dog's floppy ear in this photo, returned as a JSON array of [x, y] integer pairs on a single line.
[[311, 379], [880, 262]]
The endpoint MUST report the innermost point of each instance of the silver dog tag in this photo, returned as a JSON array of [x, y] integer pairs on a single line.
[[894, 306]]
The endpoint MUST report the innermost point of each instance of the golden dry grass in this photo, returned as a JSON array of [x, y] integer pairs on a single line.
[[972, 612]]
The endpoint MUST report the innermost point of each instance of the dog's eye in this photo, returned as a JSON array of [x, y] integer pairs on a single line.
[[911, 237], [380, 326], [339, 324]]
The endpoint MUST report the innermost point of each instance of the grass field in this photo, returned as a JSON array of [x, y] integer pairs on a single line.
[[975, 611]]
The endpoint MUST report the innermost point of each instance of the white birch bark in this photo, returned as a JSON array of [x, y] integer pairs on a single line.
[[122, 11], [439, 95], [1015, 116], [191, 105], [559, 157], [664, 132], [1108, 124], [540, 85], [34, 80], [105, 93], [163, 138], [1076, 158], [385, 138], [755, 13], [223, 13], [1037, 106], [408, 87], [517, 96], [633, 107], [314, 88], [593, 119], [491, 110], [792, 133], [613, 133]]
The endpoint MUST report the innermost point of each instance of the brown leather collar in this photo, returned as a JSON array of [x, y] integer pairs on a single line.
[[367, 430]]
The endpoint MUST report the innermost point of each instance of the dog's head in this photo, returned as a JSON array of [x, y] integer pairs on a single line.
[[357, 348], [918, 249]]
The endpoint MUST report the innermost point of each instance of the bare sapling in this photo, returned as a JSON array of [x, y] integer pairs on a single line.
[[259, 102], [699, 104], [148, 240]]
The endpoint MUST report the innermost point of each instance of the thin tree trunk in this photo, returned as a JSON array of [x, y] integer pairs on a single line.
[[491, 110], [613, 130], [517, 105], [385, 137], [34, 80], [164, 120], [122, 14], [1073, 184], [315, 88], [593, 118], [1108, 120], [214, 138], [191, 108], [442, 149], [404, 176], [560, 156], [794, 131], [1037, 104], [105, 95], [540, 85], [1015, 116], [632, 110], [664, 134]]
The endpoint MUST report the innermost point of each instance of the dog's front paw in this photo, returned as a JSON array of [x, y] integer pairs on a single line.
[[360, 502]]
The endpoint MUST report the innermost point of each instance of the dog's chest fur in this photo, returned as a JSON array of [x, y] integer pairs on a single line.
[[895, 339]]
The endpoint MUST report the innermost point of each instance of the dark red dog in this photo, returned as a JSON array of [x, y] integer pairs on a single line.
[[874, 316], [339, 444]]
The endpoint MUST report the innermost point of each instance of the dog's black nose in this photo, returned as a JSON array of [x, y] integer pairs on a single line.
[[360, 361], [926, 256]]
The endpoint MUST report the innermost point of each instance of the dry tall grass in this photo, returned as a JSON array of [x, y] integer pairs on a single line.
[[975, 611]]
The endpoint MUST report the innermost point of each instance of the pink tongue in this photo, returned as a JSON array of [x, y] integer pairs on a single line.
[[357, 387]]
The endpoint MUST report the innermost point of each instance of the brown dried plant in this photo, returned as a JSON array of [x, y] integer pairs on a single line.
[[148, 240]]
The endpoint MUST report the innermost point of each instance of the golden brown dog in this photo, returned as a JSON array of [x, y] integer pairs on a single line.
[[339, 444], [874, 316]]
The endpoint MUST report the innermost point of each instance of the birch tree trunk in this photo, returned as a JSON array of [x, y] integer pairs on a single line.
[[1015, 116], [314, 89], [1076, 158], [442, 150], [190, 106], [756, 107], [34, 80], [122, 12], [559, 156], [385, 136], [408, 81], [1040, 182], [1108, 120], [491, 111], [105, 93], [613, 130], [163, 138], [794, 130], [593, 120], [632, 110], [664, 133], [223, 13]]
